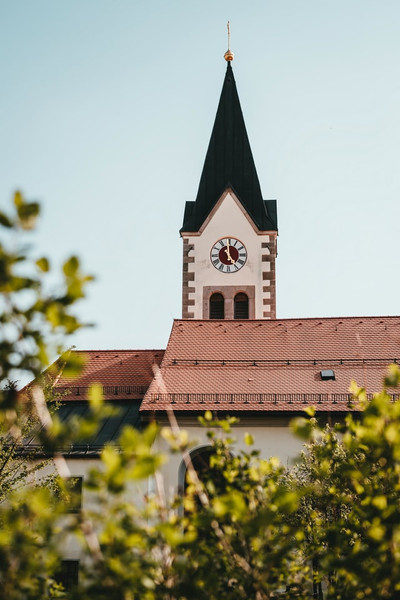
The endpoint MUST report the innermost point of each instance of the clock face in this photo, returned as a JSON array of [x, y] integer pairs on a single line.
[[228, 255]]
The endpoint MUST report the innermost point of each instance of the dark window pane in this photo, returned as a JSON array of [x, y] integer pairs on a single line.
[[68, 574], [217, 306], [241, 306], [201, 464]]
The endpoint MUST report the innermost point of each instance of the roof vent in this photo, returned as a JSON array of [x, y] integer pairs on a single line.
[[327, 374]]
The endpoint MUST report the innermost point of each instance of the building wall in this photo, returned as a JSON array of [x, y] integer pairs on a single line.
[[272, 437], [81, 467]]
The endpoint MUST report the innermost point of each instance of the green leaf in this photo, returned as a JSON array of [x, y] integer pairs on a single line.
[[176, 440], [54, 313], [392, 378], [150, 433], [27, 212], [42, 352], [146, 466], [43, 264], [376, 531], [232, 503], [18, 199], [248, 439], [129, 439], [380, 502], [72, 363], [5, 221], [111, 458], [95, 396], [303, 428], [71, 266]]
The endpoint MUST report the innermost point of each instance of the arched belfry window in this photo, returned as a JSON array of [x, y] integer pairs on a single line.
[[217, 306], [241, 310]]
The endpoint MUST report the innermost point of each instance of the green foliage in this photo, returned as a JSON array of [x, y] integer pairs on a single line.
[[244, 545], [351, 511], [28, 540], [230, 540], [243, 527], [33, 321], [19, 463]]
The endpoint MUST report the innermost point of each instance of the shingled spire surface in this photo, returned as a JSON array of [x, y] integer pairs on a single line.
[[229, 163]]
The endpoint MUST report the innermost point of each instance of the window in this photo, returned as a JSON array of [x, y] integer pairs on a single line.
[[68, 574], [211, 477], [327, 374], [217, 306], [201, 463], [241, 310]]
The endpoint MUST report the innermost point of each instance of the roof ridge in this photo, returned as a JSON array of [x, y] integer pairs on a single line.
[[121, 350]]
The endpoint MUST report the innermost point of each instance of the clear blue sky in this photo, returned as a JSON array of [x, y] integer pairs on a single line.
[[106, 112]]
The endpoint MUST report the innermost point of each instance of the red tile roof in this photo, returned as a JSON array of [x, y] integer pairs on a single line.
[[124, 374], [272, 365]]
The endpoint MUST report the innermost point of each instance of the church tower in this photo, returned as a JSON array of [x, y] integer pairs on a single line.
[[229, 233]]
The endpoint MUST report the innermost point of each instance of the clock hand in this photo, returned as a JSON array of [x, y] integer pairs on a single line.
[[228, 254]]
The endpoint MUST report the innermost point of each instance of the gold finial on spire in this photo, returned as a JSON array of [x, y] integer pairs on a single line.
[[229, 56]]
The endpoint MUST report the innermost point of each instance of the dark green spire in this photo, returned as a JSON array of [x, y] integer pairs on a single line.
[[229, 163]]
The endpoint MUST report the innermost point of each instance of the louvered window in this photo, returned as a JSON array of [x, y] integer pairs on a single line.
[[241, 306], [217, 306]]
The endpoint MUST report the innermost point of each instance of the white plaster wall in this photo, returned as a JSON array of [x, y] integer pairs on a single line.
[[228, 221], [80, 467], [271, 437], [274, 440]]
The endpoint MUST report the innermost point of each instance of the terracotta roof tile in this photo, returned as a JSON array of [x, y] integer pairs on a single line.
[[123, 374], [272, 365]]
